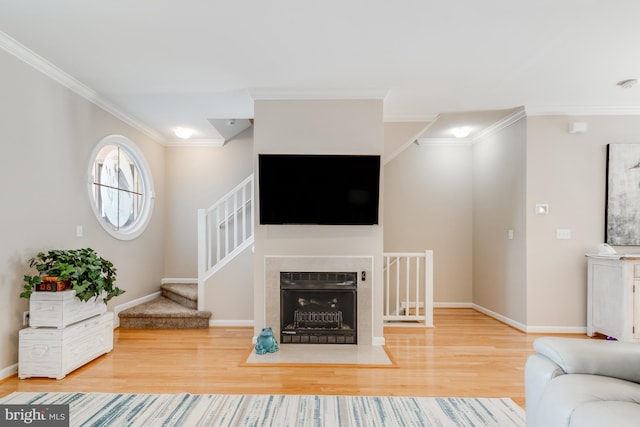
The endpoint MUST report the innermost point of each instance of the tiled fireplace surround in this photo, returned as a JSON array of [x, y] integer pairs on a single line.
[[276, 264]]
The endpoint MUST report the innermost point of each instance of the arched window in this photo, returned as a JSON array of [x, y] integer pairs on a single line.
[[120, 187]]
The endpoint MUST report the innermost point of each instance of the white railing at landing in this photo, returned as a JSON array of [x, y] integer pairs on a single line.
[[224, 230], [408, 287]]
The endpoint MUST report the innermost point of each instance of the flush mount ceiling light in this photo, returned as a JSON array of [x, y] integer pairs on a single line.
[[183, 133], [626, 84], [461, 132]]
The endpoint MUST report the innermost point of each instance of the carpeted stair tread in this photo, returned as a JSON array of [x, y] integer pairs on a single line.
[[163, 313], [163, 307], [182, 293]]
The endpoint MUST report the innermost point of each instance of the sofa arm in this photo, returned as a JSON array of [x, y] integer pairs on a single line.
[[538, 373], [597, 357]]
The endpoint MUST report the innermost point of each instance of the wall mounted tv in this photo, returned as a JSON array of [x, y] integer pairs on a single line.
[[319, 189]]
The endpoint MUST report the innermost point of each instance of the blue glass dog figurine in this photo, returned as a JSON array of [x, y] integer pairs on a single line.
[[266, 343]]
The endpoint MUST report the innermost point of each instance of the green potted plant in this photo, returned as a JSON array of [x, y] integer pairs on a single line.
[[87, 273]]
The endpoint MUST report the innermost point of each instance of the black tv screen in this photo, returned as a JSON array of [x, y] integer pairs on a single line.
[[319, 189]]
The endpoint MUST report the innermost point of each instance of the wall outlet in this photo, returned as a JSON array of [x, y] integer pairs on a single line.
[[25, 318]]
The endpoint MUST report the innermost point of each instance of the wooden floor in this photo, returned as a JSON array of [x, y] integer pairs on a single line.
[[467, 354]]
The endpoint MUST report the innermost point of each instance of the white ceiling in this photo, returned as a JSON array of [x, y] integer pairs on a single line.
[[181, 63]]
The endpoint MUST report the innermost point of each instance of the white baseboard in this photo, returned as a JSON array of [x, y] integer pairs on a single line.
[[401, 324], [514, 324], [215, 322], [531, 329], [452, 305], [118, 308], [9, 371], [557, 330]]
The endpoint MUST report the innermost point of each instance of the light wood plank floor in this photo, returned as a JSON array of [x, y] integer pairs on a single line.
[[467, 354]]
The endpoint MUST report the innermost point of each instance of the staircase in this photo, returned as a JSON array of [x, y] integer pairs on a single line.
[[176, 308], [224, 230]]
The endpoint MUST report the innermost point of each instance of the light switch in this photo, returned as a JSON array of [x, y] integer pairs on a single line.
[[563, 233], [79, 231], [510, 234]]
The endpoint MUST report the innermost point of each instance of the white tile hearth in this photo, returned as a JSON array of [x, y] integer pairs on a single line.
[[331, 354]]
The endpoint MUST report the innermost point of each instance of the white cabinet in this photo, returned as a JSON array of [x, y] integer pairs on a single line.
[[54, 352], [64, 334], [60, 309], [613, 302]]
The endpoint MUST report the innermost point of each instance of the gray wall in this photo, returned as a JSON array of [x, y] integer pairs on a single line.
[[499, 196], [427, 205], [567, 171], [229, 292], [318, 127], [468, 199], [535, 281], [47, 134], [196, 178]]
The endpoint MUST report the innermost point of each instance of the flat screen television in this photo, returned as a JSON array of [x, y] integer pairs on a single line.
[[319, 189]]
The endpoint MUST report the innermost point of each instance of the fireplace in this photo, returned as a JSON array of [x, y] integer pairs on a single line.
[[269, 299], [318, 307]]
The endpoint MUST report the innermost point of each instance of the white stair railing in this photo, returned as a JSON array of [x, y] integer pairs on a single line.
[[408, 287], [224, 230]]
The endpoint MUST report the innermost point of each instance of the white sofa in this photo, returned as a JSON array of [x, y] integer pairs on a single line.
[[573, 382]]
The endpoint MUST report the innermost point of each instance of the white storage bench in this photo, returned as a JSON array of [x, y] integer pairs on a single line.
[[60, 309], [53, 353]]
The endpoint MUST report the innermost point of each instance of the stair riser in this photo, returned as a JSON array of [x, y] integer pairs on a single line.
[[176, 308], [180, 299], [163, 323]]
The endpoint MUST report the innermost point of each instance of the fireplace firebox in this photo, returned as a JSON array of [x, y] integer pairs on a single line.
[[318, 307]]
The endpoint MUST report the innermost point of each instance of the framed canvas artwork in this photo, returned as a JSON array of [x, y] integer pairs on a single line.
[[623, 195]]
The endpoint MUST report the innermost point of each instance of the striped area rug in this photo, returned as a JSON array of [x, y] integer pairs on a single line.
[[109, 409]]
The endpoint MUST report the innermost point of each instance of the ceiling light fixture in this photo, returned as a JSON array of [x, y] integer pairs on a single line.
[[628, 83], [461, 132], [183, 133]]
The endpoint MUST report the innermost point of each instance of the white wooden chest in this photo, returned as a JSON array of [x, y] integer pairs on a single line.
[[59, 309], [53, 353], [613, 296]]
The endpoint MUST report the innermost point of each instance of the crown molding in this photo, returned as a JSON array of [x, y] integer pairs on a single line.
[[23, 53], [503, 123], [582, 111], [203, 142], [410, 141], [316, 94]]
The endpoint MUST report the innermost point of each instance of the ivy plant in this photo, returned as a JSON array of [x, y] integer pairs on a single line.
[[89, 274]]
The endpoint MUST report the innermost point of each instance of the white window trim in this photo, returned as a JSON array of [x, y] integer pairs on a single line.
[[128, 233]]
